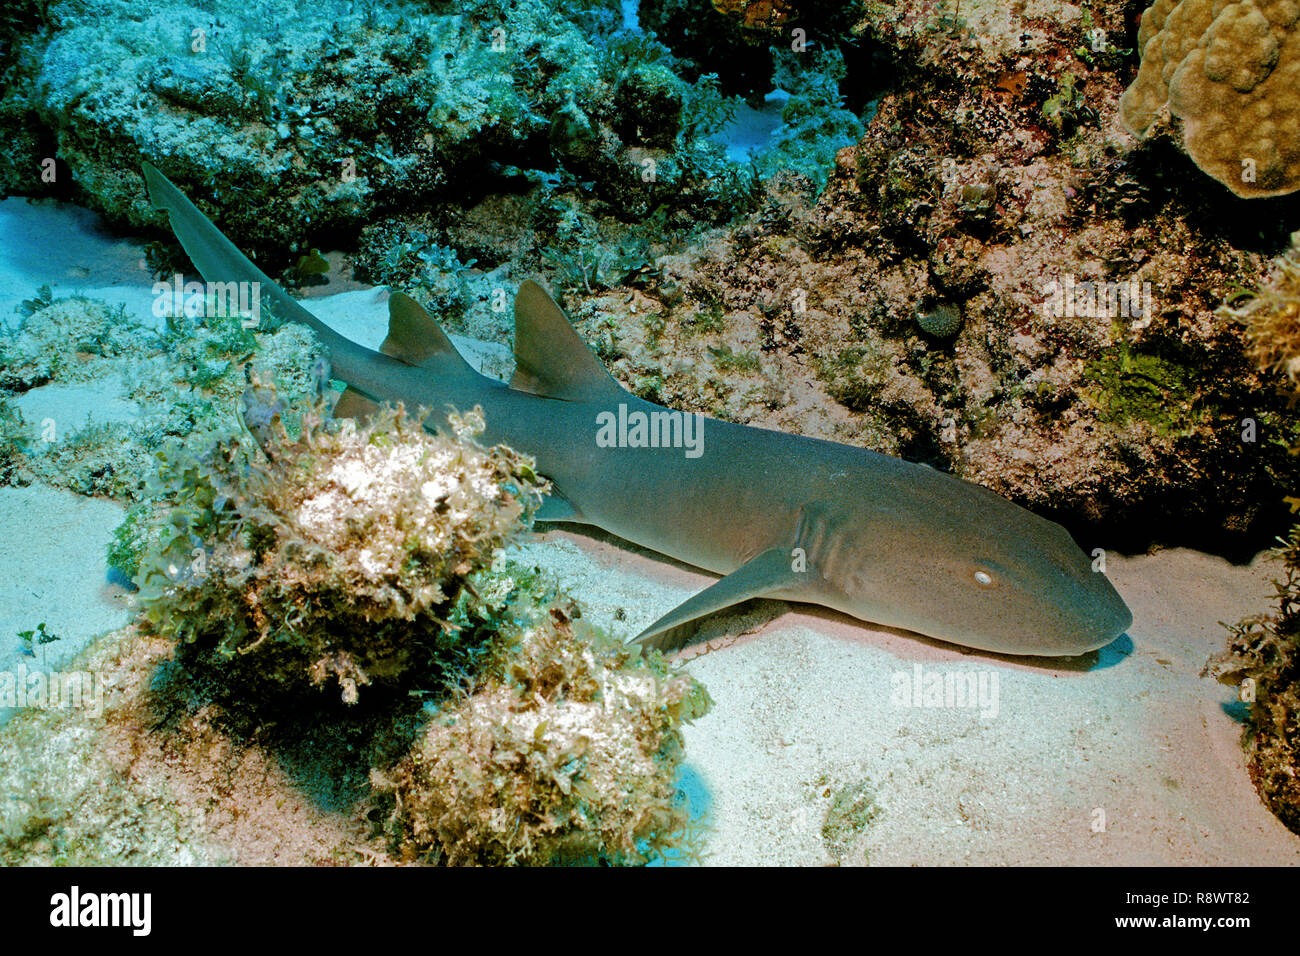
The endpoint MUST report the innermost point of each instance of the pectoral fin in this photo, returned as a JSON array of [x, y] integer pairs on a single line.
[[762, 576]]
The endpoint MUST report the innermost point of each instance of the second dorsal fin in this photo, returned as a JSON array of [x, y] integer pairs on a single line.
[[413, 336], [551, 359]]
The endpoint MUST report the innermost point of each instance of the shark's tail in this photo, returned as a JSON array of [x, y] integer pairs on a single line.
[[413, 337], [218, 260], [551, 359]]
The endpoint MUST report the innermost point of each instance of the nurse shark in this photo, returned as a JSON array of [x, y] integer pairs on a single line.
[[777, 515]]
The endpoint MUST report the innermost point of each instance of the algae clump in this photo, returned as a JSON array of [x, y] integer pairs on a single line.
[[566, 753], [1128, 386], [1263, 654], [853, 809], [1272, 317], [1263, 661], [333, 557], [348, 556]]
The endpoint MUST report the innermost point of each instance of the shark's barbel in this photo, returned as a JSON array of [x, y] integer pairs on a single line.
[[778, 515]]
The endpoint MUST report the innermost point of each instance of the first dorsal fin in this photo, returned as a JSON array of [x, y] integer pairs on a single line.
[[413, 336], [551, 359]]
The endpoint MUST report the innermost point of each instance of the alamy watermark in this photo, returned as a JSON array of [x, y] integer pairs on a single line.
[[922, 688], [209, 299], [52, 690], [1069, 298], [661, 429], [133, 911]]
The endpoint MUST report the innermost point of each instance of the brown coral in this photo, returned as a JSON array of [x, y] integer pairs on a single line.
[[1231, 73]]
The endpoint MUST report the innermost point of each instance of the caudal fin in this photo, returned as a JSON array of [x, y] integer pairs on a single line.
[[218, 259]]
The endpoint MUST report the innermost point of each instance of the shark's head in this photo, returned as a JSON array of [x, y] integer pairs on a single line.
[[971, 568]]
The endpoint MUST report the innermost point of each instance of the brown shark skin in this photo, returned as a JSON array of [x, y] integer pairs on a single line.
[[796, 518]]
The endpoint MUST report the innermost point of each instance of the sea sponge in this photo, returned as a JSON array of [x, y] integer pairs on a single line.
[[1231, 72], [649, 102], [339, 556], [566, 753], [943, 321]]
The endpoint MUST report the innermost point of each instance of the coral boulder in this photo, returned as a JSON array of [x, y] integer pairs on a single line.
[[1231, 73]]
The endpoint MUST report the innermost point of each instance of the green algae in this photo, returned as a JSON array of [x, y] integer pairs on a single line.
[[852, 810], [856, 376], [1126, 385]]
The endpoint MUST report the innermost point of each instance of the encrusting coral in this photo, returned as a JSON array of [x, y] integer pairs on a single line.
[[1231, 72]]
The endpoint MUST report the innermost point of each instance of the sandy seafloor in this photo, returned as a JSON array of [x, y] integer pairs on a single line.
[[1125, 756]]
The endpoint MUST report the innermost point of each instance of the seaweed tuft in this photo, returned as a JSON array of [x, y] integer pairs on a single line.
[[337, 557]]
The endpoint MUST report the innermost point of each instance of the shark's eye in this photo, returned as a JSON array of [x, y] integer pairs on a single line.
[[983, 579]]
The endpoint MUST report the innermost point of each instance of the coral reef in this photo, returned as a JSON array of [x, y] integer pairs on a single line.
[[295, 127], [181, 382], [981, 270], [988, 176], [56, 342], [1231, 72], [565, 754], [989, 189], [534, 135]]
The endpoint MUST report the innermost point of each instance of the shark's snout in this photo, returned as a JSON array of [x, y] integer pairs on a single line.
[[1104, 618]]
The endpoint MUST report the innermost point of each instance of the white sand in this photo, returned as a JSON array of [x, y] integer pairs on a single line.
[[53, 569], [1130, 739], [1125, 757], [73, 252]]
